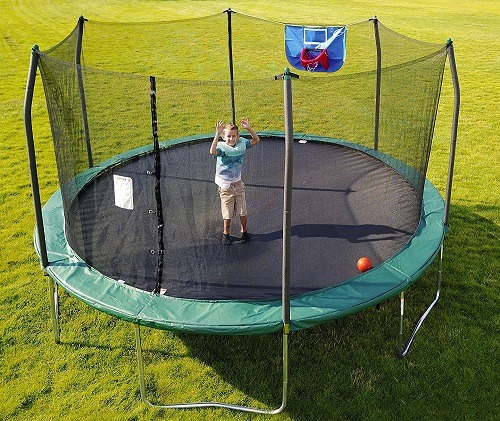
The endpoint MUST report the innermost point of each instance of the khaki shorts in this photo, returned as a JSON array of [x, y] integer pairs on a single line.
[[232, 200]]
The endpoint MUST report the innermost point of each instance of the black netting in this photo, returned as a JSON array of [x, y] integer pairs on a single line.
[[346, 205], [101, 108]]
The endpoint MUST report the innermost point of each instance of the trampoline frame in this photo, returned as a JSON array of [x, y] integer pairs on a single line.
[[287, 77]]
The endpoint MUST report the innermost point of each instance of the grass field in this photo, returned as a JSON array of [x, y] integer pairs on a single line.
[[345, 370]]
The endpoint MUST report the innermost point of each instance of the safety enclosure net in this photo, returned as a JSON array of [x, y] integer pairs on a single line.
[[384, 99]]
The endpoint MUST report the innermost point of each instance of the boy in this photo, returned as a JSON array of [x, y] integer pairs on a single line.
[[230, 154]]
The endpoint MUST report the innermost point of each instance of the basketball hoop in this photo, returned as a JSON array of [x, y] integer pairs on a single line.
[[311, 63], [315, 48]]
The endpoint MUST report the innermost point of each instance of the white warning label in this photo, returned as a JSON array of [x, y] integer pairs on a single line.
[[124, 193]]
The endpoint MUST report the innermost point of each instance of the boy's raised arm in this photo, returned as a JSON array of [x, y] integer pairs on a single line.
[[218, 131]]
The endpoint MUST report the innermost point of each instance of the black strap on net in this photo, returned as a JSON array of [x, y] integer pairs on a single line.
[[157, 172]]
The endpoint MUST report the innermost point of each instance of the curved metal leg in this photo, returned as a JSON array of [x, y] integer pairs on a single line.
[[404, 350], [142, 385]]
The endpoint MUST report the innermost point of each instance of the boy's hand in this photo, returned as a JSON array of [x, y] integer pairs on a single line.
[[219, 128], [255, 137], [245, 124]]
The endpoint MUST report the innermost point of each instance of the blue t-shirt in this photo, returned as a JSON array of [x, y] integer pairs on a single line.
[[230, 162]]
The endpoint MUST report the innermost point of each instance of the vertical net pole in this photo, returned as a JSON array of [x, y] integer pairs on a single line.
[[231, 68], [287, 225], [454, 129], [287, 205], [30, 143], [81, 90], [379, 78], [37, 204], [157, 172]]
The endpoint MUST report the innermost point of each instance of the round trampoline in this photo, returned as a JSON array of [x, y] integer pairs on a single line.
[[349, 202], [135, 228]]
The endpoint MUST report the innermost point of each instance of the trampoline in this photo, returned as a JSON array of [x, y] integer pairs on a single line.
[[361, 206], [134, 229]]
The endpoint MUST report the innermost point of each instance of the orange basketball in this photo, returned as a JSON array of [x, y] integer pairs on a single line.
[[364, 264]]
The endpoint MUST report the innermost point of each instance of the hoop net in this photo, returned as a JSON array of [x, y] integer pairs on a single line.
[[311, 63]]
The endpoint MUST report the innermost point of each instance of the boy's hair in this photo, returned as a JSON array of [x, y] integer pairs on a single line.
[[231, 126]]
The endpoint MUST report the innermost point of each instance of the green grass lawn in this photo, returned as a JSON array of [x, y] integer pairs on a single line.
[[346, 369]]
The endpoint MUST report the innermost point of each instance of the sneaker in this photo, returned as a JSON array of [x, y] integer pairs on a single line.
[[225, 239], [245, 237]]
